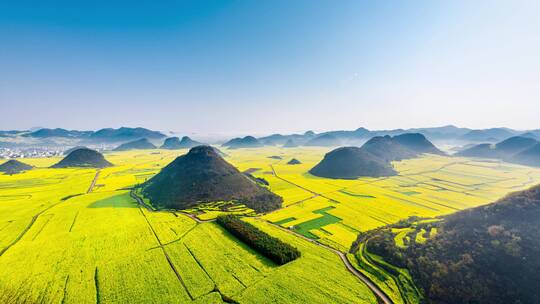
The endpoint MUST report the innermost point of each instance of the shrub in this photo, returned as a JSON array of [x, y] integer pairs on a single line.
[[271, 247]]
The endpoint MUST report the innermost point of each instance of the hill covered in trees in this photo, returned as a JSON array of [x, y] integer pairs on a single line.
[[203, 176], [85, 158], [14, 166], [173, 143], [488, 254], [245, 142], [518, 149], [373, 158]]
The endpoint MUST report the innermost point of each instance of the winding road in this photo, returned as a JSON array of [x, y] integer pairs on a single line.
[[372, 286]]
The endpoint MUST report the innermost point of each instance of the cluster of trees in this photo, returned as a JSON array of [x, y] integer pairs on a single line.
[[271, 247]]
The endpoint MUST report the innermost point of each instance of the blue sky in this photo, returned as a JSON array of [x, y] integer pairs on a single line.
[[257, 67]]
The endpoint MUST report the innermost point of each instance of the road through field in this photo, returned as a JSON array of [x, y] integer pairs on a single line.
[[93, 184], [372, 286]]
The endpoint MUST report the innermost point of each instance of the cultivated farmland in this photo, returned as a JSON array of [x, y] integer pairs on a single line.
[[65, 238]]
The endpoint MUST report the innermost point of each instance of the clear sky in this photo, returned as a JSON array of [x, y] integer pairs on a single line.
[[256, 67]]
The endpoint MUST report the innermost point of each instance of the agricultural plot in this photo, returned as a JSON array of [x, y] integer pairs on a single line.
[[428, 186], [69, 243]]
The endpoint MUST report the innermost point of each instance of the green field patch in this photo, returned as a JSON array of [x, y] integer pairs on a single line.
[[410, 193], [317, 223], [118, 201], [356, 194], [285, 221]]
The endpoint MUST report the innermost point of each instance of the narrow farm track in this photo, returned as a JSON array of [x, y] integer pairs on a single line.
[[315, 194], [93, 184], [140, 201], [374, 288], [167, 257], [26, 229]]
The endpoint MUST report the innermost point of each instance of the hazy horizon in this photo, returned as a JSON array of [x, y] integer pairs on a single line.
[[239, 67]]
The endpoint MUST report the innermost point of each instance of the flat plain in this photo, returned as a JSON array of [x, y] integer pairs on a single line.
[[64, 241]]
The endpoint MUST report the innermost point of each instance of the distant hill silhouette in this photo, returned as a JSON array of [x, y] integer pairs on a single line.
[[173, 143], [350, 163], [529, 157], [14, 166], [202, 175], [417, 143], [384, 147], [516, 149], [139, 144], [73, 149], [485, 255], [325, 140], [124, 134], [85, 158], [246, 142], [490, 135], [290, 144], [294, 161], [374, 157], [58, 132]]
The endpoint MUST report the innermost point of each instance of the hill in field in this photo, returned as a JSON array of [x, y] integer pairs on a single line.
[[351, 162], [245, 142], [517, 149], [139, 144], [173, 143], [417, 143], [202, 175], [488, 254], [85, 158], [385, 148], [14, 166], [374, 157], [294, 161]]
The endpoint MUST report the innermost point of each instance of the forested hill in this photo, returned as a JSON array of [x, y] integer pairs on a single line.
[[488, 254]]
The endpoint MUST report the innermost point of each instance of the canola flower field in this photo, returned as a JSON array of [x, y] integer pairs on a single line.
[[63, 241]]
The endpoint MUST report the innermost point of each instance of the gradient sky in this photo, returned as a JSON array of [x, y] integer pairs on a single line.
[[257, 67]]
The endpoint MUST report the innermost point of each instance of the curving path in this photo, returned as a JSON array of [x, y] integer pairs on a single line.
[[372, 286]]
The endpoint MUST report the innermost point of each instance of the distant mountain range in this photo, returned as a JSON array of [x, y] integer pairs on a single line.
[[103, 135], [356, 137], [516, 149], [360, 135]]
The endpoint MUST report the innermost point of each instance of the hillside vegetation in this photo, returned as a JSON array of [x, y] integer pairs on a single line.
[[86, 158], [273, 248], [14, 166], [374, 158], [488, 254], [204, 176]]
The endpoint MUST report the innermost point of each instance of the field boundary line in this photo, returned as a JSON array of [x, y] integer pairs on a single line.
[[370, 284], [23, 233], [93, 184], [167, 257]]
